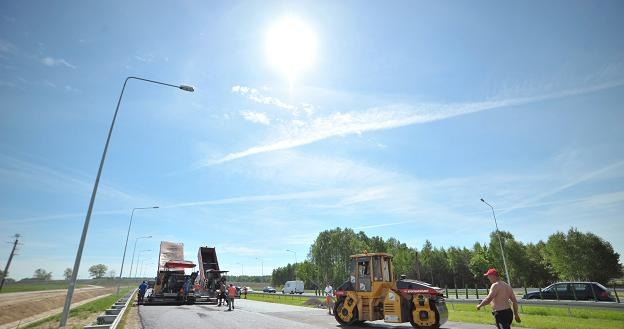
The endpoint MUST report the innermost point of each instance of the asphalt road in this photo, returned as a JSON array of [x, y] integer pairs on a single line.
[[252, 314]]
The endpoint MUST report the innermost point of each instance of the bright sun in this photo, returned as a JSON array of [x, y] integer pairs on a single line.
[[291, 46]]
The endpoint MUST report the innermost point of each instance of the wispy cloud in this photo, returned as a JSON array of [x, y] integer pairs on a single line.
[[49, 61], [256, 117], [576, 181], [256, 96], [6, 46], [387, 117], [43, 177], [318, 194]]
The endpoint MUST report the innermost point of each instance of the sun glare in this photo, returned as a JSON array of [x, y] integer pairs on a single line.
[[291, 46]]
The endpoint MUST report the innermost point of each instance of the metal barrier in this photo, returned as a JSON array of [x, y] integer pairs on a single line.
[[525, 302], [112, 316]]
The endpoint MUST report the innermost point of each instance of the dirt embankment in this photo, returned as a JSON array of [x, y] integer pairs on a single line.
[[21, 305]]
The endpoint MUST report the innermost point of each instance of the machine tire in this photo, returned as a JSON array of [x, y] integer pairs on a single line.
[[411, 320], [338, 308]]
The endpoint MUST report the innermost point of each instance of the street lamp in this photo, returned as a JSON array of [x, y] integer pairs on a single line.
[[242, 272], [500, 242], [143, 263], [85, 228], [134, 250], [295, 261], [261, 265], [139, 257]]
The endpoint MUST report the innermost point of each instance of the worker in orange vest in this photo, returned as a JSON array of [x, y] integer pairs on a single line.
[[231, 295]]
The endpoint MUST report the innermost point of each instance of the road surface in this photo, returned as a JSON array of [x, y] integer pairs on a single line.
[[252, 314]]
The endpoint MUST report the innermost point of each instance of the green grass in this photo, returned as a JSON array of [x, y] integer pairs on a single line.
[[279, 299], [545, 317], [22, 287], [81, 312], [532, 316]]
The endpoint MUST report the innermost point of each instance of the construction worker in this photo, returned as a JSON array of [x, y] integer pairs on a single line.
[[187, 288], [499, 297], [142, 290], [245, 292], [221, 295], [329, 292], [231, 296]]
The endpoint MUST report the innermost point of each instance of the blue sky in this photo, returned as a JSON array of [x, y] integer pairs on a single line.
[[410, 112]]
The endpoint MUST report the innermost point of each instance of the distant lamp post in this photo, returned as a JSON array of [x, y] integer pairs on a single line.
[[85, 228], [134, 250], [139, 257], [242, 273], [295, 265], [500, 242], [261, 265]]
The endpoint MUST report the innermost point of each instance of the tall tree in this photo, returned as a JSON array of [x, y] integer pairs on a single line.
[[515, 255], [480, 261], [582, 256], [67, 273], [427, 262], [98, 271], [42, 274], [539, 271]]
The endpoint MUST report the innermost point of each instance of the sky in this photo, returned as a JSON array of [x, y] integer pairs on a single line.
[[390, 118]]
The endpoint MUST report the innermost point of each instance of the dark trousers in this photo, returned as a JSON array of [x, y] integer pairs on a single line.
[[503, 318], [231, 303], [141, 294]]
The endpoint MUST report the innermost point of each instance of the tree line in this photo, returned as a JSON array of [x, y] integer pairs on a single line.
[[97, 271], [571, 255]]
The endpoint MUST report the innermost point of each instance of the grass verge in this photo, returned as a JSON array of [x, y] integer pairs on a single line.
[[25, 287], [279, 299], [545, 317], [78, 316]]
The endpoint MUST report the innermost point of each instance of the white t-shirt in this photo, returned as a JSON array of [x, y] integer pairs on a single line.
[[329, 290]]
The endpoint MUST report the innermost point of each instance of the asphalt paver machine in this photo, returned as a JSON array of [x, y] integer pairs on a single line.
[[172, 285], [372, 293]]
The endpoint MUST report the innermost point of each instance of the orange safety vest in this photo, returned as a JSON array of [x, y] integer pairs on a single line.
[[232, 291]]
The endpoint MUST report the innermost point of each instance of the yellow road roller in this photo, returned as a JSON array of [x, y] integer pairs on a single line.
[[372, 293]]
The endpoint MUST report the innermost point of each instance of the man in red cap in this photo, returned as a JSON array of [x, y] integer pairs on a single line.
[[499, 297]]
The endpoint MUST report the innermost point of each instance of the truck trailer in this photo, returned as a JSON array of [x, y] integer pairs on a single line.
[[208, 288]]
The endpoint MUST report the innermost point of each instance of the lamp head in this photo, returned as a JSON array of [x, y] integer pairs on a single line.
[[187, 88], [482, 200]]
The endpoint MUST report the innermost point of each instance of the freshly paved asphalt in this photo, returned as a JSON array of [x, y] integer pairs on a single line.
[[252, 314]]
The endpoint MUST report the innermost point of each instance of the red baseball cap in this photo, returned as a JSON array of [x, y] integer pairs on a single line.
[[491, 271]]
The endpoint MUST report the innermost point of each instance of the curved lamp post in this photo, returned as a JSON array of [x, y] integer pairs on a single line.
[[85, 228], [294, 252], [500, 242]]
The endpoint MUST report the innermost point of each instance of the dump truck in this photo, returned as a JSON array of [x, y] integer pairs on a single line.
[[371, 293], [171, 279], [207, 287]]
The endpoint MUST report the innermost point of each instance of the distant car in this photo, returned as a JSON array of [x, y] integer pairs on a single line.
[[570, 290], [269, 289]]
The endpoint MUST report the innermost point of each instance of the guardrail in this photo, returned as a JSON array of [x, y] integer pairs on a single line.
[[525, 302], [112, 316], [549, 303]]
